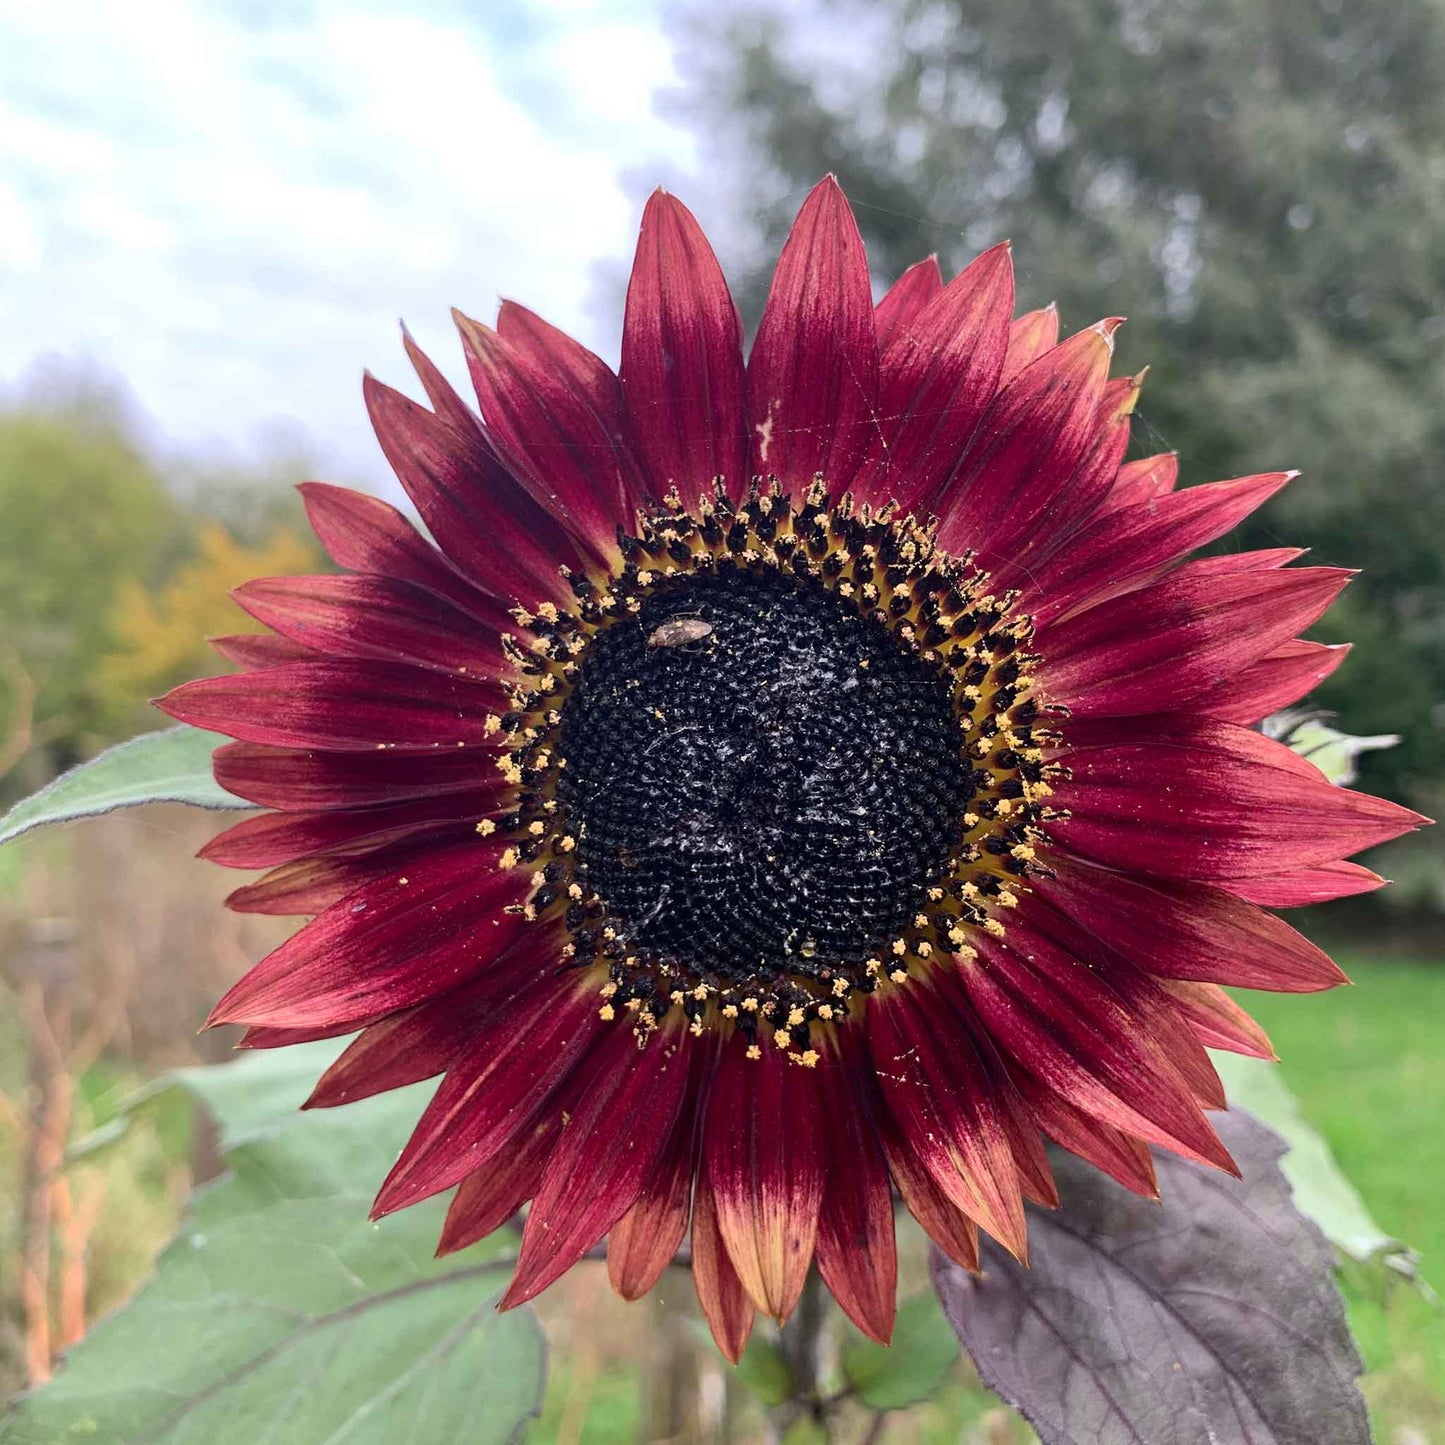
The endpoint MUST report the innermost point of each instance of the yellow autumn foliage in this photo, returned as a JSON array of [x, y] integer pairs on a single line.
[[160, 636]]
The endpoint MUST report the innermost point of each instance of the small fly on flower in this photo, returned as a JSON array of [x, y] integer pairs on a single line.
[[679, 632]]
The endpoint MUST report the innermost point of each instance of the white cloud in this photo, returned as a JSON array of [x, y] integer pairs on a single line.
[[230, 208]]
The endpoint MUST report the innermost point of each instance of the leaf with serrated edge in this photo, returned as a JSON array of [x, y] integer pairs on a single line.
[[170, 766], [1213, 1316], [281, 1312], [911, 1368]]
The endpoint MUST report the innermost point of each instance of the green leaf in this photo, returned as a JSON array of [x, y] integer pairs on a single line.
[[281, 1312], [893, 1377], [764, 1371], [1320, 1189], [171, 766]]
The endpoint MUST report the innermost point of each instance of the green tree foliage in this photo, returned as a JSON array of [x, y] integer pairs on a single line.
[[1259, 185], [83, 510]]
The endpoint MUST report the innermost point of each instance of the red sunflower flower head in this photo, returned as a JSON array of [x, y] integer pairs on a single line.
[[779, 782]]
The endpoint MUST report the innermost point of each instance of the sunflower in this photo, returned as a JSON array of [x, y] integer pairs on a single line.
[[778, 783]]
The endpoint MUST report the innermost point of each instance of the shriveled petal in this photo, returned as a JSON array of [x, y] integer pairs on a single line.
[[1182, 930], [905, 298], [565, 454], [812, 382], [936, 1088], [500, 1085], [724, 1301], [1219, 1022], [506, 541], [296, 780], [376, 617], [1163, 646], [1027, 448], [611, 1145], [343, 705], [487, 1198], [1174, 797], [1282, 677], [764, 1161], [935, 383], [1120, 551], [1029, 336], [682, 358], [857, 1256], [1301, 886], [394, 942]]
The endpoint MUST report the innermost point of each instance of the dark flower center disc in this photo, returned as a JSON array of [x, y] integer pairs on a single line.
[[760, 780]]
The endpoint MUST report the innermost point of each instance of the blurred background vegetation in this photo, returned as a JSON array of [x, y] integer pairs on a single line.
[[1258, 187]]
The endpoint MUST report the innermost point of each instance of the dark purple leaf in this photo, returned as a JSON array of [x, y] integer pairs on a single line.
[[1212, 1317]]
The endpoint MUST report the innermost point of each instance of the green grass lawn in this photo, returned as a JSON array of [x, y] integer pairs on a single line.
[[1368, 1066]]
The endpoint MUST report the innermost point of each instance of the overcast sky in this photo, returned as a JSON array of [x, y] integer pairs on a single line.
[[229, 203]]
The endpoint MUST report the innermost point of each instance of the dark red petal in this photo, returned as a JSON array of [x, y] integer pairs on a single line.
[[439, 391], [376, 617], [1218, 1021], [812, 385], [545, 348], [273, 838], [423, 1041], [1179, 798], [504, 1079], [935, 383], [567, 456], [268, 1038], [857, 1255], [644, 1241], [311, 885], [763, 1157], [297, 780], [1027, 448], [394, 942], [259, 649], [724, 1301], [908, 295], [489, 1197], [941, 1219], [1029, 336], [611, 1145], [1142, 481], [499, 535], [1158, 648], [1119, 551], [1187, 930], [368, 535], [936, 1087], [682, 358], [1054, 1016], [1119, 1155], [1284, 676], [1298, 887], [1242, 562], [343, 705]]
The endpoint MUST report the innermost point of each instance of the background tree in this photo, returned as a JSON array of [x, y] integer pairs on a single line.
[[1259, 187]]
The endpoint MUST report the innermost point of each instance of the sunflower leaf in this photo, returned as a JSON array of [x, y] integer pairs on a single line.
[[1334, 753], [1212, 1317], [280, 1312], [912, 1366], [170, 766]]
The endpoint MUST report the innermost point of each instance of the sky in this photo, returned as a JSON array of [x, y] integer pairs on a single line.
[[227, 205]]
